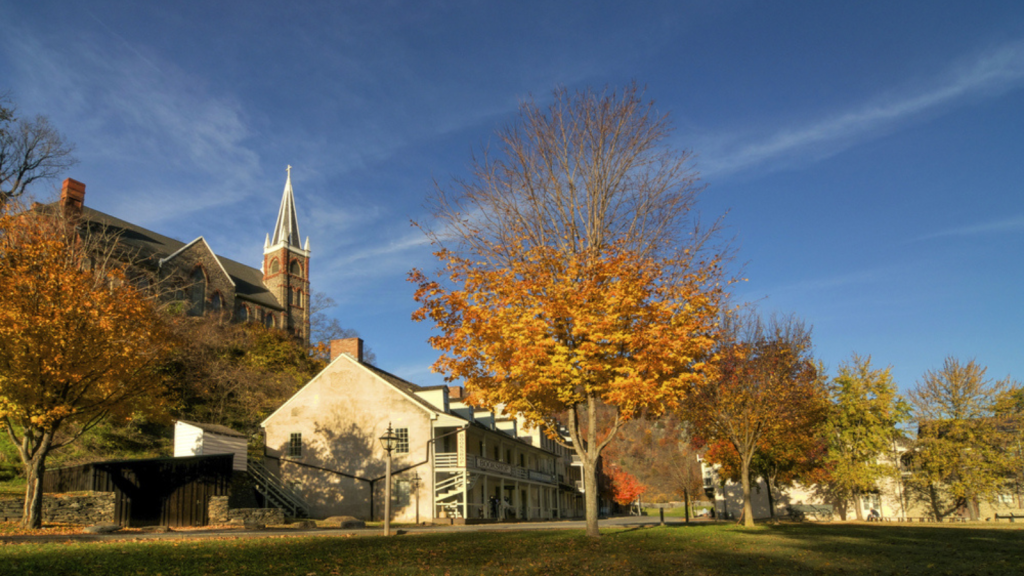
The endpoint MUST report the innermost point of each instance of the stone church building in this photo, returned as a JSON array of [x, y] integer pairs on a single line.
[[276, 294]]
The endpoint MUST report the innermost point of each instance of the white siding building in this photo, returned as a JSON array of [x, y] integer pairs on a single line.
[[196, 439]]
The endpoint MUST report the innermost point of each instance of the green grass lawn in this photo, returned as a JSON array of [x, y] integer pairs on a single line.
[[699, 549]]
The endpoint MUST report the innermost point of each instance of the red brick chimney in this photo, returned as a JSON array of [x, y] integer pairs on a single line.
[[72, 196], [455, 393], [352, 346]]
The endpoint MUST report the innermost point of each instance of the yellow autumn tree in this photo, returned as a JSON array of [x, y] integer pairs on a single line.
[[78, 340], [575, 278]]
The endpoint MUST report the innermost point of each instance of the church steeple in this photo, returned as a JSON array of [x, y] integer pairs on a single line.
[[286, 266], [286, 231]]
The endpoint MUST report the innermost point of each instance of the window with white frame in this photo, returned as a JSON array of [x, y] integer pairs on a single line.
[[1006, 498], [295, 444], [402, 444]]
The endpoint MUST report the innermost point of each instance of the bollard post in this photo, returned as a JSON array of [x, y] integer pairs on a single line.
[[662, 514]]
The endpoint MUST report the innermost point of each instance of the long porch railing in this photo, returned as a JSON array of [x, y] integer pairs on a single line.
[[450, 461]]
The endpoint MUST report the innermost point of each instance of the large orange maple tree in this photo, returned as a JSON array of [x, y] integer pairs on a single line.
[[79, 342], [561, 335], [574, 276]]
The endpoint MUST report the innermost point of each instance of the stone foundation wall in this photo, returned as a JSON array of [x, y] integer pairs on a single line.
[[221, 513], [83, 508], [218, 509], [267, 516]]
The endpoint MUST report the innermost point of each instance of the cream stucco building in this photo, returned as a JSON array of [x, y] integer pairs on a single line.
[[891, 498], [453, 462]]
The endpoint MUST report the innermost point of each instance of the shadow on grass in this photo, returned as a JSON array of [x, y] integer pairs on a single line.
[[676, 549]]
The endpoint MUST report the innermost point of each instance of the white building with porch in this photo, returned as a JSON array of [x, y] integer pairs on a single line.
[[452, 462]]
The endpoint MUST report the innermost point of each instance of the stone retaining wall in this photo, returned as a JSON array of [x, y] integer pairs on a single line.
[[269, 516], [218, 509], [220, 513], [81, 508]]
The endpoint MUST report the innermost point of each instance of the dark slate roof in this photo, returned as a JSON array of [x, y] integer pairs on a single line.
[[214, 428], [411, 389], [403, 385], [150, 245]]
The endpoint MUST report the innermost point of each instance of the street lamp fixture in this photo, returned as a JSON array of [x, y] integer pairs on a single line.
[[389, 442]]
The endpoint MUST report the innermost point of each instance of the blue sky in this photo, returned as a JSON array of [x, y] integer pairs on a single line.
[[869, 154]]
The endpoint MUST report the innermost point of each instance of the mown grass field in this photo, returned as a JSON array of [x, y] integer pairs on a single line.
[[679, 512], [699, 549]]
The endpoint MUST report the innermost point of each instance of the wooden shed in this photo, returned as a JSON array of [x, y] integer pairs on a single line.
[[151, 492], [198, 439]]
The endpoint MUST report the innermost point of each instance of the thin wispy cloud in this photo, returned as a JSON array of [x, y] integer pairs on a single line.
[[991, 72], [834, 282], [377, 252], [359, 266], [144, 119], [1003, 226]]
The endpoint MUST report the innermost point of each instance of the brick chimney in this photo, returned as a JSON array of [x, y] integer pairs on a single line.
[[72, 196], [455, 393], [352, 346]]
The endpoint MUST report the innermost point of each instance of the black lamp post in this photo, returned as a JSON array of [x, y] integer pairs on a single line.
[[388, 442]]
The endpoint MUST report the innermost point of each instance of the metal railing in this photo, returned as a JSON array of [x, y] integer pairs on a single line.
[[450, 461], [447, 460], [275, 490], [446, 487]]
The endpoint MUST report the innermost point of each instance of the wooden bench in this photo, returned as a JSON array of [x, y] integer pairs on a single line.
[[1011, 516], [801, 512]]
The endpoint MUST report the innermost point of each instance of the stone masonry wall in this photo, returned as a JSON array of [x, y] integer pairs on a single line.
[[220, 513], [218, 509], [83, 508], [256, 515]]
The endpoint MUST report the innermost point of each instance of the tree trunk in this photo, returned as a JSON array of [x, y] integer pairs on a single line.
[[32, 515], [748, 512], [686, 504], [856, 505], [771, 501], [590, 492], [933, 497]]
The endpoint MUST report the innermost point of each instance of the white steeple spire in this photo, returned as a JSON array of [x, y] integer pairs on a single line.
[[287, 229]]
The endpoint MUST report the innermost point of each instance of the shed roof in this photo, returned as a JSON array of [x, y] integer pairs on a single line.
[[214, 429]]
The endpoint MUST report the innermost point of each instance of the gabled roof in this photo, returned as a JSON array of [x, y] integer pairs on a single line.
[[214, 428], [409, 388], [154, 247], [205, 244]]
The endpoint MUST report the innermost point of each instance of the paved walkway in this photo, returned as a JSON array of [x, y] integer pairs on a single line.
[[619, 522]]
